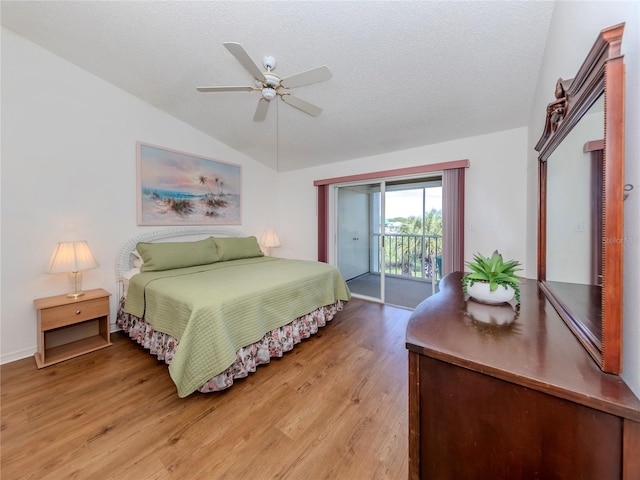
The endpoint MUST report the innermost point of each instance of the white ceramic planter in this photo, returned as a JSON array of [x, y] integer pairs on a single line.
[[480, 291]]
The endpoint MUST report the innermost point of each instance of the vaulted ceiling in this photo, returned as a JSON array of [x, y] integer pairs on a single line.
[[405, 74]]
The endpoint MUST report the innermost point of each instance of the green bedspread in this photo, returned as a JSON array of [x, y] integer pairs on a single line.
[[213, 310]]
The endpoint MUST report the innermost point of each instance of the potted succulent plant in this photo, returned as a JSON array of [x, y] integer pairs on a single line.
[[492, 280]]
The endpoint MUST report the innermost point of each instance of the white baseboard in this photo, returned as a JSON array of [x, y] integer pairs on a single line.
[[19, 355]]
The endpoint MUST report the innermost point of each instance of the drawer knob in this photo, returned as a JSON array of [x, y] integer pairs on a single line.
[[78, 312]]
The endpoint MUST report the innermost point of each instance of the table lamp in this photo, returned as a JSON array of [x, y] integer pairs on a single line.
[[72, 258], [270, 240]]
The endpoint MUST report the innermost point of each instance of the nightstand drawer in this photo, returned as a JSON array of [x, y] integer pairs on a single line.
[[73, 313]]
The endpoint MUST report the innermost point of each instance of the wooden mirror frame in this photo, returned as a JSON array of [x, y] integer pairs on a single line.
[[602, 72]]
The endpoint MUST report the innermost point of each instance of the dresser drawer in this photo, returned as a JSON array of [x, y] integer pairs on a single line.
[[63, 315]]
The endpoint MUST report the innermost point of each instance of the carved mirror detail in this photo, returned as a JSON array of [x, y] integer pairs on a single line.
[[581, 192]]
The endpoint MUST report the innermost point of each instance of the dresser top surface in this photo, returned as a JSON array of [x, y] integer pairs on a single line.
[[536, 350]]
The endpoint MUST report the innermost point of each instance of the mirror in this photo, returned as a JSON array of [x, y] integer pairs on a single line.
[[580, 214], [574, 229]]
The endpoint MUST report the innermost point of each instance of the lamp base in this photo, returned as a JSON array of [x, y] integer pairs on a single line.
[[75, 285]]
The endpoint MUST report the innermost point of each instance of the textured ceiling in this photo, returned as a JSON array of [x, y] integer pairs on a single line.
[[405, 74]]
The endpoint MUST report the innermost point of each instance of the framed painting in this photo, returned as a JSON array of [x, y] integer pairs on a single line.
[[177, 188]]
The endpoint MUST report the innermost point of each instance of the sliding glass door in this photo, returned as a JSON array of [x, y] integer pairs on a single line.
[[389, 238]]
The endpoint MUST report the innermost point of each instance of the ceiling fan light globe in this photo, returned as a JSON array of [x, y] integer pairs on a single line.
[[268, 93]]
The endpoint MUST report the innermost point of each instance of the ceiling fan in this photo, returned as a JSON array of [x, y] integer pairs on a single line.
[[270, 85]]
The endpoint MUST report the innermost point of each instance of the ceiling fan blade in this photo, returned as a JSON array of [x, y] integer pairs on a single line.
[[243, 57], [261, 110], [226, 89], [318, 74], [300, 104]]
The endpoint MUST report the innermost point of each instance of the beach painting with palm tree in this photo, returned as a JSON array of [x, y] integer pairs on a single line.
[[178, 188]]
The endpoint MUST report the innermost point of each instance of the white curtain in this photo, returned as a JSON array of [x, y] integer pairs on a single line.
[[452, 220]]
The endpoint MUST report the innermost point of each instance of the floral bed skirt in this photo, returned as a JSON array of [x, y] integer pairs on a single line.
[[273, 344]]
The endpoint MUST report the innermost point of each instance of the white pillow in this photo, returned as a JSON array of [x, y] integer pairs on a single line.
[[137, 261]]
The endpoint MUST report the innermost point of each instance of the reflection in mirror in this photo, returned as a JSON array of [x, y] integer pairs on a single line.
[[574, 229], [570, 221]]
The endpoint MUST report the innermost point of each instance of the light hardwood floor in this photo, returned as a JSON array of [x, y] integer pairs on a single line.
[[333, 408]]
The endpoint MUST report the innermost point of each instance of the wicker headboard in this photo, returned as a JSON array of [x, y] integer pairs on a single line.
[[124, 260]]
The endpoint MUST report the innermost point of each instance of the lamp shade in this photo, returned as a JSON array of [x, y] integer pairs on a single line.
[[270, 239], [71, 257]]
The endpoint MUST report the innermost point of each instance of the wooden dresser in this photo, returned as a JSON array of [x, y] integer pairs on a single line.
[[525, 401]]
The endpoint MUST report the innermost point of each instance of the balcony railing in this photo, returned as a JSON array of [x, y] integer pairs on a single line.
[[409, 255]]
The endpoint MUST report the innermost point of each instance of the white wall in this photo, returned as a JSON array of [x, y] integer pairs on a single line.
[[69, 172], [494, 199], [574, 28]]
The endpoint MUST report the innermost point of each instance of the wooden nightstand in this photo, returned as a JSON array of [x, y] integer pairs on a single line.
[[62, 315]]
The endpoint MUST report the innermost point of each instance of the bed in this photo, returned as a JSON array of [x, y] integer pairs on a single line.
[[207, 302]]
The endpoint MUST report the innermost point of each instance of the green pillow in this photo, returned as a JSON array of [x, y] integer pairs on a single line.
[[170, 255], [232, 248]]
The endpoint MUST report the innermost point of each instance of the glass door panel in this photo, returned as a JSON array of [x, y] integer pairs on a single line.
[[359, 237]]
